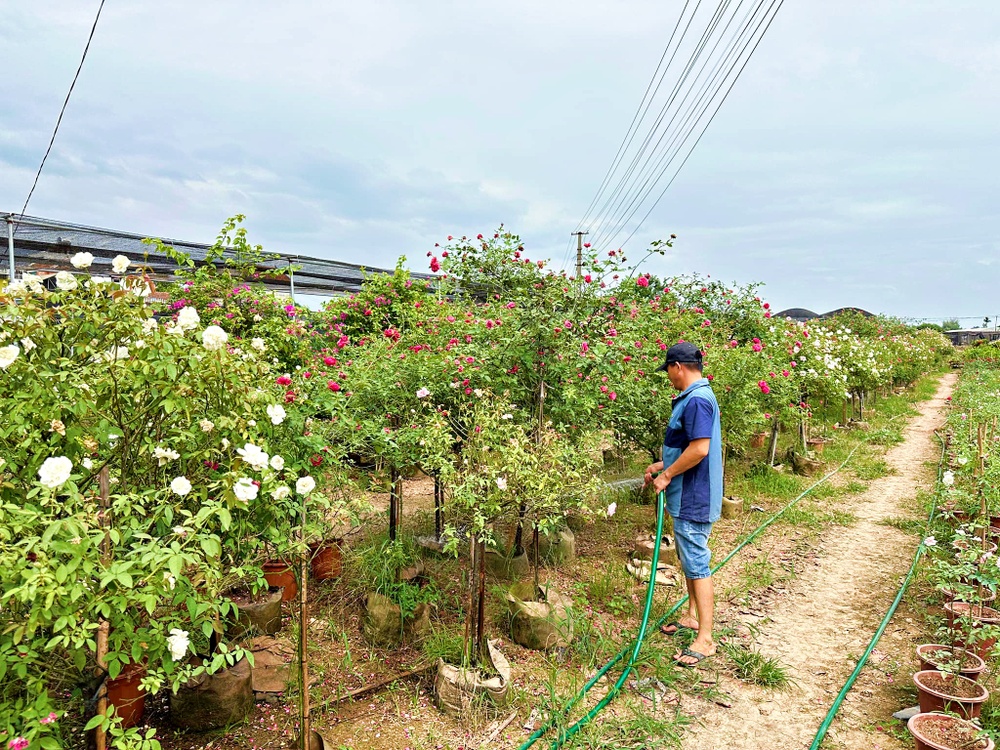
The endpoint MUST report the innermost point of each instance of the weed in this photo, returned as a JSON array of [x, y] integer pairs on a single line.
[[872, 468], [753, 666], [908, 525], [444, 643], [854, 487]]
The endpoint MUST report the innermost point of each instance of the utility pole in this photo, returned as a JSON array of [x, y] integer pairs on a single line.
[[579, 253]]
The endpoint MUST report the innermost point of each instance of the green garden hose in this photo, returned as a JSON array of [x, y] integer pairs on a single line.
[[832, 713], [576, 727]]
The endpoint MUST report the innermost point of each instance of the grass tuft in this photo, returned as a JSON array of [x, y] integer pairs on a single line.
[[753, 666]]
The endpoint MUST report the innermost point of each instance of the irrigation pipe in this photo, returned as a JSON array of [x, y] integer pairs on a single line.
[[576, 727], [832, 713]]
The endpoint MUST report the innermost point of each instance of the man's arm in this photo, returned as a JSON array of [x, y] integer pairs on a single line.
[[691, 457]]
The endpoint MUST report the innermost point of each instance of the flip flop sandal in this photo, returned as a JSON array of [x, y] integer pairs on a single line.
[[677, 628], [699, 658]]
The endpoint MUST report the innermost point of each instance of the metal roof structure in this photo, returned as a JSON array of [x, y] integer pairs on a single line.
[[46, 244], [801, 314]]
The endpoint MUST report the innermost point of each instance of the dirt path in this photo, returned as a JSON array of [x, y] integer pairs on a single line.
[[826, 616]]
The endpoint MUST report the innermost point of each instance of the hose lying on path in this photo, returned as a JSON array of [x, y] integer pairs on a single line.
[[832, 713], [568, 732]]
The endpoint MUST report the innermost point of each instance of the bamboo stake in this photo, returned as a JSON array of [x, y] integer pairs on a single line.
[[104, 485], [481, 615], [305, 731], [472, 600]]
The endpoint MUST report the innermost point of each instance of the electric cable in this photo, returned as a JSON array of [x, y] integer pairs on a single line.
[[722, 101], [679, 132], [682, 79], [62, 111]]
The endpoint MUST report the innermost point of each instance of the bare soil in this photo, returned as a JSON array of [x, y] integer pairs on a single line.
[[823, 619]]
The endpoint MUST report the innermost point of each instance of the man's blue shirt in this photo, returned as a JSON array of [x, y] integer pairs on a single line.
[[695, 495]]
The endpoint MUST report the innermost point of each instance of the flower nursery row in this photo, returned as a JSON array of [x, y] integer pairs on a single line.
[[153, 458], [957, 673]]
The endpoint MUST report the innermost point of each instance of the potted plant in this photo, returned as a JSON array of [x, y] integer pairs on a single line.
[[936, 731]]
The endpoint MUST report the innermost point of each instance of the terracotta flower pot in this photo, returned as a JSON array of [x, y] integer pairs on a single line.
[[981, 615], [279, 575], [125, 694], [942, 692], [325, 560], [931, 658], [757, 440], [816, 444], [941, 732], [963, 544]]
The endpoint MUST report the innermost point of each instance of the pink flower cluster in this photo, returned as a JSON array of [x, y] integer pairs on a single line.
[[764, 387], [18, 743]]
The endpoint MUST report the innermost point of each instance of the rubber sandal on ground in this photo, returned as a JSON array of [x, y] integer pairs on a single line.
[[699, 658], [678, 627]]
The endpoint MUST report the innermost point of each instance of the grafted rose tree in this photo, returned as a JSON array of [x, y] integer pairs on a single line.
[[529, 325], [98, 384]]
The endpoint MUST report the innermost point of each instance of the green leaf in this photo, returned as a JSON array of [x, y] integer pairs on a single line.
[[93, 723]]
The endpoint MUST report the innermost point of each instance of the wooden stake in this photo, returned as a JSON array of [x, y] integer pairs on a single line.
[[104, 485], [305, 731]]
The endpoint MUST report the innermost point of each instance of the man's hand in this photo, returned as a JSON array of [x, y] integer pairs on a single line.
[[661, 482], [650, 470]]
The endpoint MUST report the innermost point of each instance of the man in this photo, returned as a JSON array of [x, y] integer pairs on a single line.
[[691, 474]]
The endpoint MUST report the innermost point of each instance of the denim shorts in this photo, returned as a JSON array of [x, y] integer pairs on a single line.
[[691, 539]]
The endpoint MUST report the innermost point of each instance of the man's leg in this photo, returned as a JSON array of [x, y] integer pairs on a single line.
[[704, 597]]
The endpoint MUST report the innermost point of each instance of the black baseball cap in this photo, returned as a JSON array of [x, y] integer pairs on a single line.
[[682, 352]]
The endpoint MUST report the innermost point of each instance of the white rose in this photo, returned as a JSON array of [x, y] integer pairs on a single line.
[[188, 318], [180, 486], [82, 260], [120, 264], [948, 478], [16, 288], [611, 509], [178, 642], [254, 456], [277, 462], [7, 355], [149, 325], [305, 485], [88, 463], [66, 281], [206, 425], [164, 455], [280, 492], [277, 413], [180, 531], [225, 444], [55, 471], [502, 483], [214, 338], [245, 489], [170, 580], [257, 343], [28, 344]]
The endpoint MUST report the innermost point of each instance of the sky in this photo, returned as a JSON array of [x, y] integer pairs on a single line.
[[856, 161]]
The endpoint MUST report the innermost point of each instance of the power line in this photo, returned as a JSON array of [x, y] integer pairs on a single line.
[[685, 72], [62, 111], [703, 77], [704, 128], [659, 159]]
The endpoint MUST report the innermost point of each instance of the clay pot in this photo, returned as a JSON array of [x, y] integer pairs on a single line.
[[816, 444], [963, 544], [125, 694], [757, 440], [984, 615], [940, 699], [279, 575], [325, 560], [926, 654], [919, 724]]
